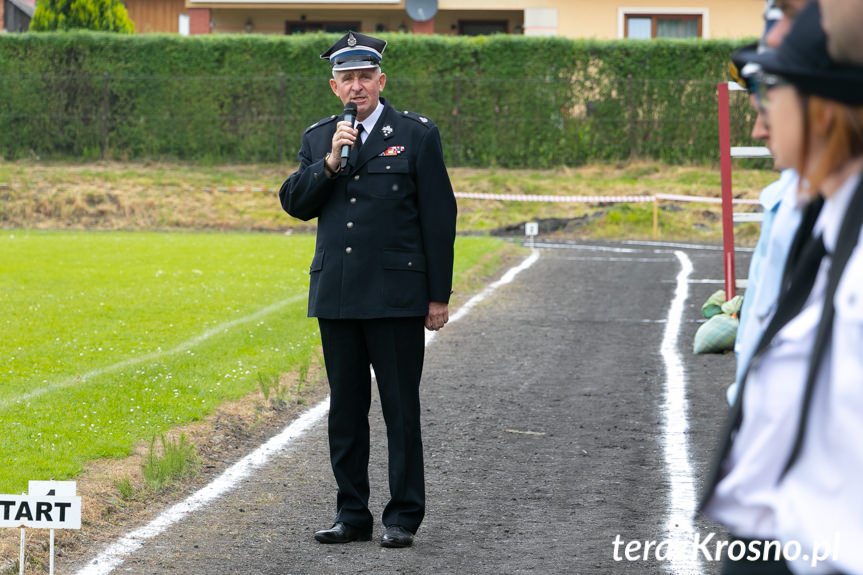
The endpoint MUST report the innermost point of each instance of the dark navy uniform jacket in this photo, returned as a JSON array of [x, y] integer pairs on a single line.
[[386, 225]]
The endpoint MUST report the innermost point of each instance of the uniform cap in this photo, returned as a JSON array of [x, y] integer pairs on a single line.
[[803, 61], [737, 67], [355, 51]]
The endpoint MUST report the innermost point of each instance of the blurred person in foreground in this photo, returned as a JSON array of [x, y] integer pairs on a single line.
[[778, 201], [786, 479], [779, 15], [382, 271], [842, 20]]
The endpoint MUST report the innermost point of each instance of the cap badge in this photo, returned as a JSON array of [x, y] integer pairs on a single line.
[[423, 119], [352, 41], [387, 130]]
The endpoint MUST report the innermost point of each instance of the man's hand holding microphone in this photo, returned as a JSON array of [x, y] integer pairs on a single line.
[[343, 140]]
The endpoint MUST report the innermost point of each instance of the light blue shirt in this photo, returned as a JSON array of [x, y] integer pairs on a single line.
[[781, 219]]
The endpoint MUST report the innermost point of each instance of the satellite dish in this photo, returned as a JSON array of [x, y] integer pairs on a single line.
[[421, 10]]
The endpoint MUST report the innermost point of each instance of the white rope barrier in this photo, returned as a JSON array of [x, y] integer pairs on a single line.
[[499, 197], [707, 199], [597, 199], [536, 198]]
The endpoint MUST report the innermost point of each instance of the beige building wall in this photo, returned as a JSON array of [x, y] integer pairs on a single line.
[[601, 19], [720, 18], [271, 20]]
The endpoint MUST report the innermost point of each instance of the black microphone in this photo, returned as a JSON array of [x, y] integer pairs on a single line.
[[350, 116]]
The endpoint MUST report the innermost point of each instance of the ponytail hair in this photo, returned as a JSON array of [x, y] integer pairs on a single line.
[[842, 133]]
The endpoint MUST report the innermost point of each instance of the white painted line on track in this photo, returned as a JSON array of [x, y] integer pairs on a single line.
[[186, 345], [116, 553], [615, 259], [681, 493], [682, 245], [587, 247]]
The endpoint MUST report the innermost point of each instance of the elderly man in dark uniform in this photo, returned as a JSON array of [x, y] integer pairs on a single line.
[[382, 271]]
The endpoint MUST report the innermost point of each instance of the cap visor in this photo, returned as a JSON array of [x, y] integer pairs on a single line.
[[768, 60], [355, 65]]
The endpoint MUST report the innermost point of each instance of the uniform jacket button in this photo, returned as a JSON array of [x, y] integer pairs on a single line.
[[348, 250], [350, 225], [353, 200], [357, 178]]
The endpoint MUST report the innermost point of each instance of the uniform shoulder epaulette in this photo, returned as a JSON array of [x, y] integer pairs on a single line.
[[418, 118], [320, 123]]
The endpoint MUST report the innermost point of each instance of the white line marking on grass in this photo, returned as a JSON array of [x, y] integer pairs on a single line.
[[117, 552], [188, 344], [681, 496]]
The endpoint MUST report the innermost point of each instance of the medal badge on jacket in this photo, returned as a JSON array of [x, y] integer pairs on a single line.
[[392, 151]]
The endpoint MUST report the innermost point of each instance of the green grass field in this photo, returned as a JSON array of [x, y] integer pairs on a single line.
[[111, 337]]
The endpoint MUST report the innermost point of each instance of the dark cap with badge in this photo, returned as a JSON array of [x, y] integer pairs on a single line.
[[739, 68], [355, 51], [802, 60]]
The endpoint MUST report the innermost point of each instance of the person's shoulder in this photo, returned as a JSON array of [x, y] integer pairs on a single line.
[[321, 123], [418, 118]]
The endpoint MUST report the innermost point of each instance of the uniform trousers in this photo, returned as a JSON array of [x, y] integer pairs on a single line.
[[394, 347]]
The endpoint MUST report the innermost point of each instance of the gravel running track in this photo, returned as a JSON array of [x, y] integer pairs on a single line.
[[543, 432]]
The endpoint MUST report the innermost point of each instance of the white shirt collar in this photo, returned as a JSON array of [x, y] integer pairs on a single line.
[[371, 120], [833, 213]]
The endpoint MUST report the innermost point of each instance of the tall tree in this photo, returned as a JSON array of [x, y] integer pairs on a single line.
[[104, 15]]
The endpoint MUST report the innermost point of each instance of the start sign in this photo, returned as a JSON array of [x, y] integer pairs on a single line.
[[45, 512], [50, 505]]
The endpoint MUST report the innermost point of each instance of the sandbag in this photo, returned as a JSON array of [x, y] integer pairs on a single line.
[[732, 306], [719, 332], [713, 305], [716, 335]]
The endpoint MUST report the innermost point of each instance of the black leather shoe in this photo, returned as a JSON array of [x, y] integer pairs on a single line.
[[342, 533], [397, 536]]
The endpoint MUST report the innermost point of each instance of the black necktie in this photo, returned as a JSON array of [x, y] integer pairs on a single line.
[[358, 145], [801, 277], [804, 259]]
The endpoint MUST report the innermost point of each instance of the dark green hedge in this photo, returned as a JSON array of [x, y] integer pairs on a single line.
[[501, 100]]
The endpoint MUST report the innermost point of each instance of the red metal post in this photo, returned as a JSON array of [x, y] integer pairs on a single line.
[[727, 204]]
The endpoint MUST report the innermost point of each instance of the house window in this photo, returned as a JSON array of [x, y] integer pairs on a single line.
[[304, 26], [647, 26], [481, 27]]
